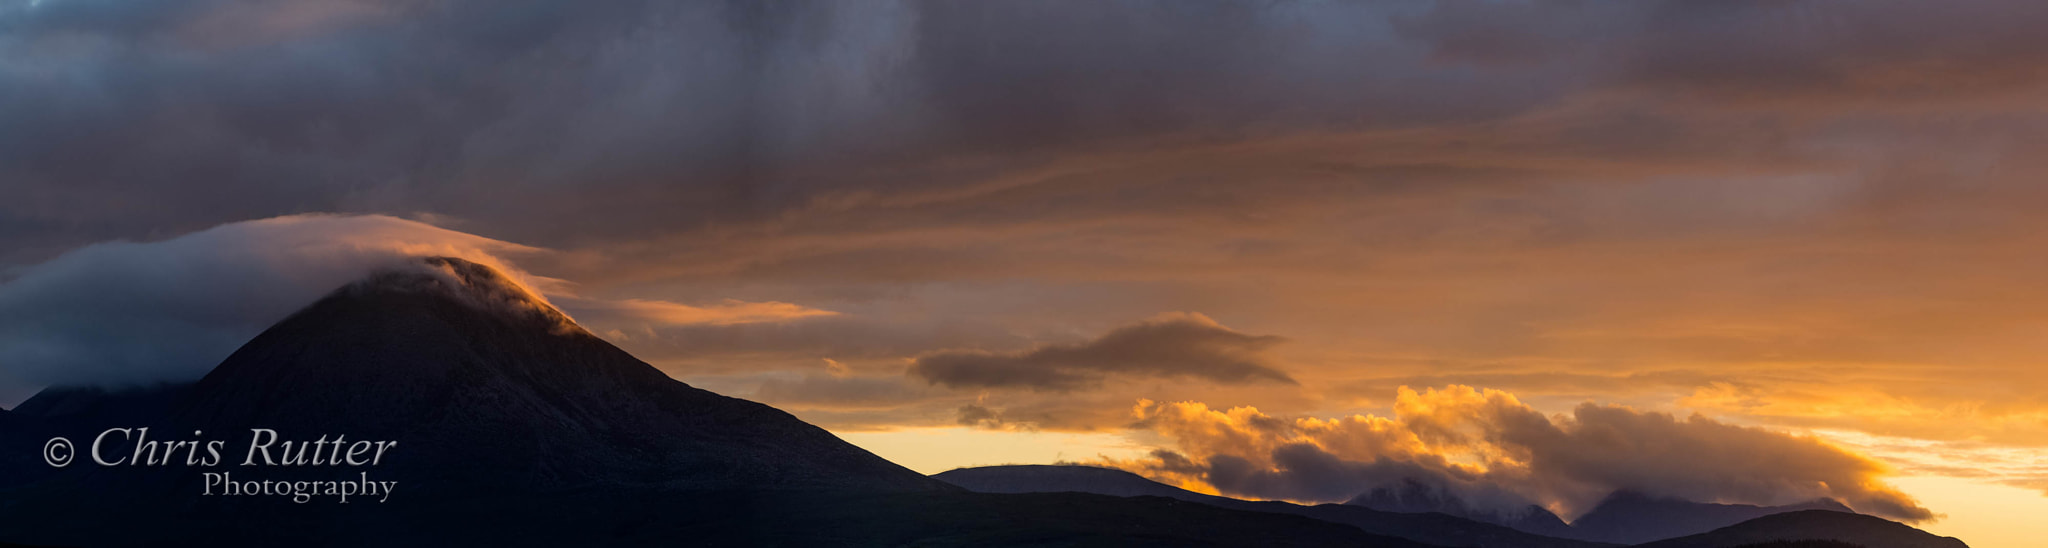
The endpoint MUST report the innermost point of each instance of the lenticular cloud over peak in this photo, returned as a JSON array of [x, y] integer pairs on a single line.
[[125, 313]]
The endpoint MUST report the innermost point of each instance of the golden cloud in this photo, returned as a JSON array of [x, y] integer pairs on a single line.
[[1488, 443]]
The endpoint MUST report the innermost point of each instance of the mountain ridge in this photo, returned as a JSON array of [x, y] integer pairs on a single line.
[[1630, 517], [1433, 528], [1802, 525]]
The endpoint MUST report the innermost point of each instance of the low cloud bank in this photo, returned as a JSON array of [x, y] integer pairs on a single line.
[[1494, 450]]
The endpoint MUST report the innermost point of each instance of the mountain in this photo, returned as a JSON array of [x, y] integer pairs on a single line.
[[1627, 517], [1814, 525], [1432, 528], [1415, 497], [1800, 544], [473, 373], [1056, 478], [515, 427]]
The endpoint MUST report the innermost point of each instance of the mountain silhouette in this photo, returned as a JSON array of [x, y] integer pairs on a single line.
[[474, 374], [1814, 525], [1414, 496], [1432, 528], [515, 427], [1629, 517]]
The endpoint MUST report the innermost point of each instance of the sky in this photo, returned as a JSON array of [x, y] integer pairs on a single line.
[[1749, 251]]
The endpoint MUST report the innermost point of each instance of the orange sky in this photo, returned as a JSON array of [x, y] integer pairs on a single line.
[[1460, 238], [1880, 284]]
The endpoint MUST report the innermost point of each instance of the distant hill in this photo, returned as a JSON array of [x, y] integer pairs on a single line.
[[1414, 496], [1627, 517], [1432, 528], [1806, 525], [1055, 478]]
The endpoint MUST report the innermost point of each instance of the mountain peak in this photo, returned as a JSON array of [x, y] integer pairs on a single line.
[[469, 282]]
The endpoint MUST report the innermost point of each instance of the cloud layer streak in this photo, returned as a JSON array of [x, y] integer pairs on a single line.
[[1170, 346]]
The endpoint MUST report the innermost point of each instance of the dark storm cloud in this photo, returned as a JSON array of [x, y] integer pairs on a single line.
[[1805, 57], [1171, 346], [131, 118], [137, 116]]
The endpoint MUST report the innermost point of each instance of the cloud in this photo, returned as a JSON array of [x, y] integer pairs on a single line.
[[729, 312], [884, 337], [127, 313], [1170, 346], [786, 107], [1487, 444], [974, 415]]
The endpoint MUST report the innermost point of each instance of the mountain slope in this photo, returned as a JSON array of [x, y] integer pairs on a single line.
[[1432, 528], [1055, 478], [1856, 529], [1628, 517]]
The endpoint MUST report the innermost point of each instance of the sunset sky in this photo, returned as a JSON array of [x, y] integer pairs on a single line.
[[1748, 252]]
